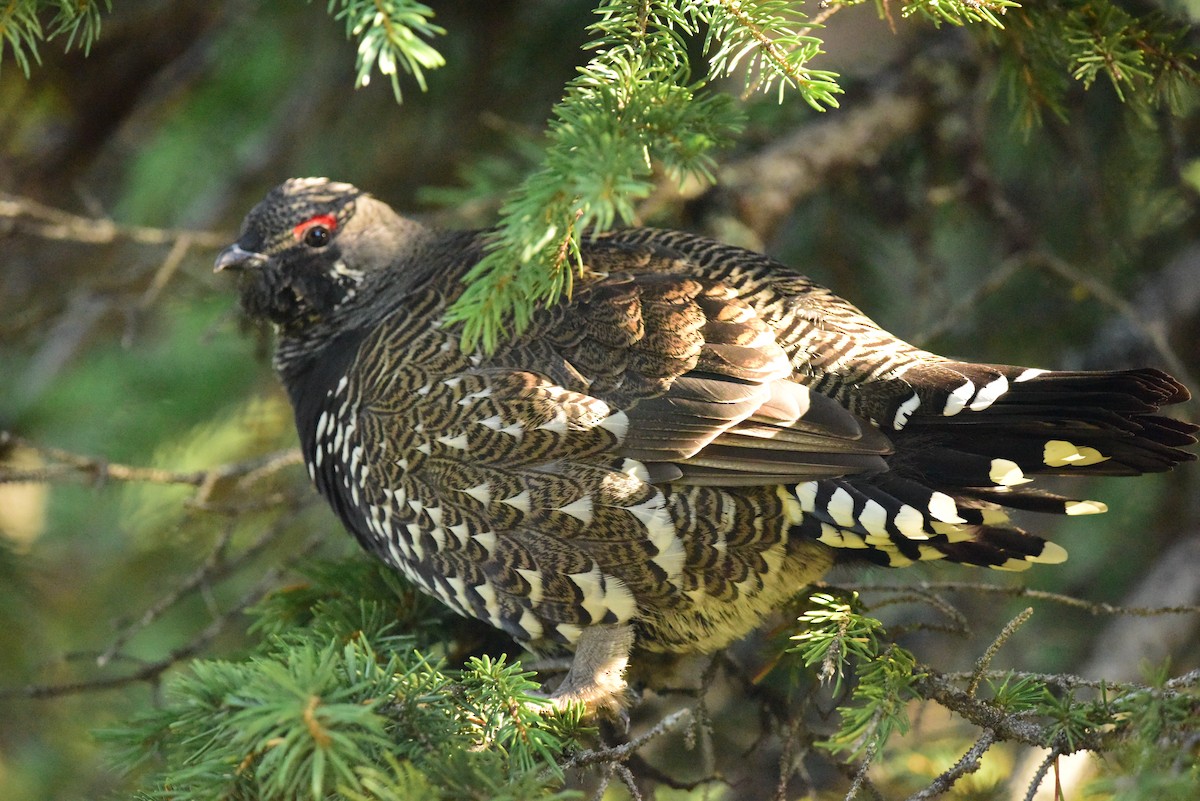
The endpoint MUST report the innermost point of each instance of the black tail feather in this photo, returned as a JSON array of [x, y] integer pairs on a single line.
[[969, 440]]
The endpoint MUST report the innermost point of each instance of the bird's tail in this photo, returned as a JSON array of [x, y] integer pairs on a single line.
[[969, 441]]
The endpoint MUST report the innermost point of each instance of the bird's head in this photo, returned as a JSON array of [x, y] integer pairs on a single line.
[[308, 247]]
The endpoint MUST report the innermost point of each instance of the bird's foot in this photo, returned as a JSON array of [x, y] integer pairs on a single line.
[[596, 678]]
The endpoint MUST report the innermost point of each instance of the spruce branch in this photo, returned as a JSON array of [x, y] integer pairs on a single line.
[[631, 112], [26, 24], [392, 37], [957, 12], [1148, 60], [762, 38]]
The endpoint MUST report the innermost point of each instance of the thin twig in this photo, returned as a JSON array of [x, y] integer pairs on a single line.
[[214, 568], [986, 659], [1092, 607], [617, 753], [47, 222], [1036, 782], [969, 305], [860, 775], [1067, 681], [153, 670], [1111, 298], [969, 763], [65, 463]]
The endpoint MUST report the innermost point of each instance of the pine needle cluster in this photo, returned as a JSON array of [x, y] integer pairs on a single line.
[[1146, 731], [639, 110], [335, 702], [26, 24]]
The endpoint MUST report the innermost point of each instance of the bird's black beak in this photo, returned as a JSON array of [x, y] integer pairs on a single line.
[[235, 257]]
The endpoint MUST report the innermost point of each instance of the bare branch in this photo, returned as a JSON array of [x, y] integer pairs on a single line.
[[35, 219], [214, 568], [152, 670], [64, 464]]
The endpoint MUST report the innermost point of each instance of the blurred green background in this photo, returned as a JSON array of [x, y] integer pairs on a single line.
[[1074, 243]]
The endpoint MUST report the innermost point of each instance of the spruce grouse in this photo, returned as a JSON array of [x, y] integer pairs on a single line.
[[679, 447]]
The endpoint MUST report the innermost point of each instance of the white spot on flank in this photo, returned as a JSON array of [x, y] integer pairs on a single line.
[[461, 533], [398, 557], [487, 539], [453, 381], [438, 534], [883, 538], [520, 501], [1060, 453], [414, 540], [425, 390], [617, 424], [958, 399], [468, 399], [1086, 507], [458, 442], [895, 558], [494, 422], [905, 411], [994, 516], [530, 623], [1007, 473], [489, 600], [534, 577], [481, 493], [989, 394], [954, 532], [341, 385], [424, 448], [591, 592], [580, 509], [620, 600], [661, 533], [1032, 372], [322, 421]]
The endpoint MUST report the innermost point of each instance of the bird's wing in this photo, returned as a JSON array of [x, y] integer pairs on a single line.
[[708, 392], [960, 427]]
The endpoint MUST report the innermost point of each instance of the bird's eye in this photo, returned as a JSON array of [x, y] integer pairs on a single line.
[[316, 231], [317, 236]]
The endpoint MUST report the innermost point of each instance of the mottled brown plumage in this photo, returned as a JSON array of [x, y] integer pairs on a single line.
[[678, 448]]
